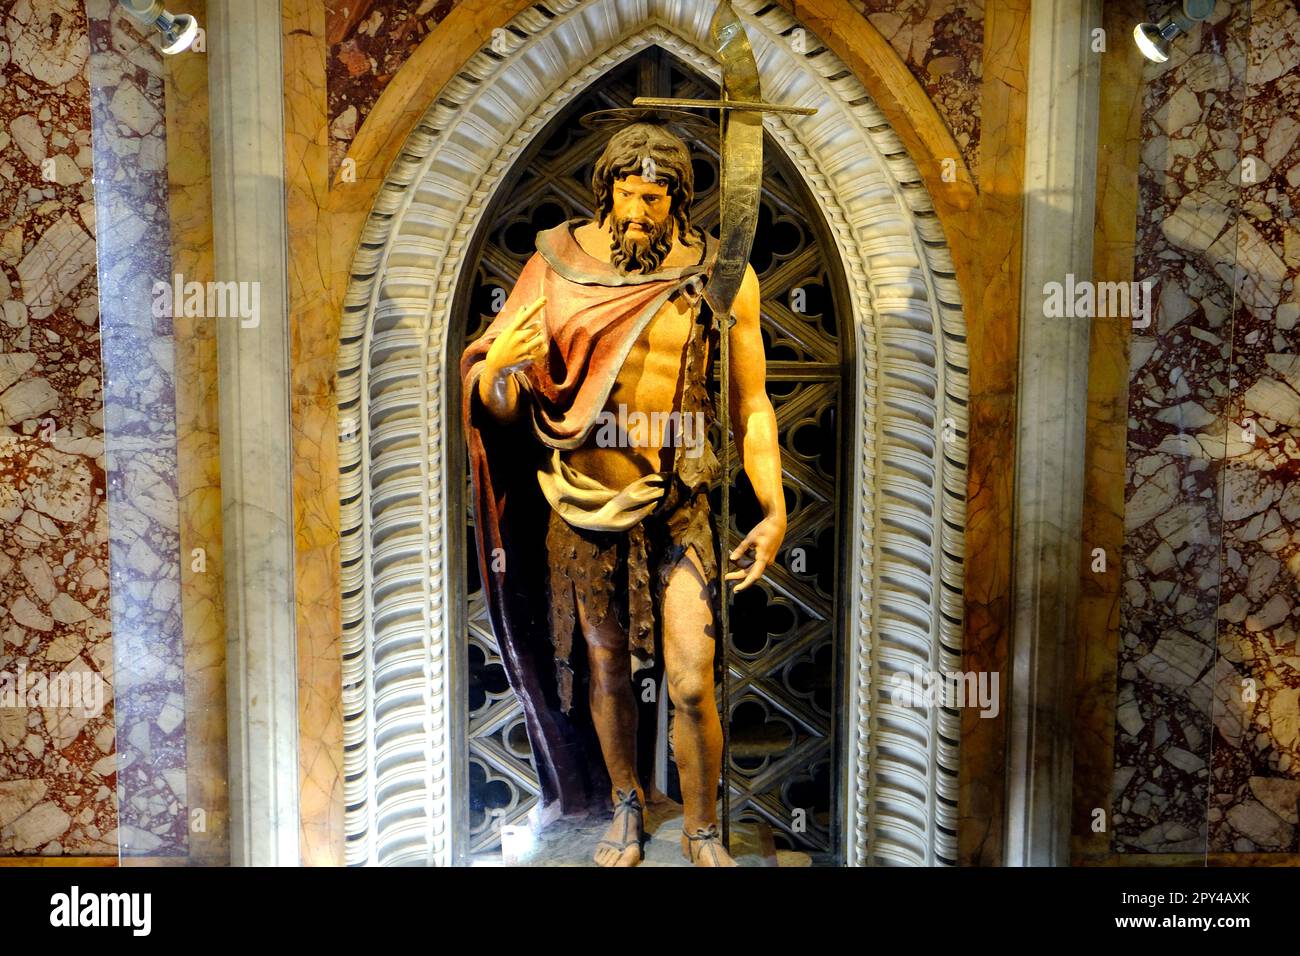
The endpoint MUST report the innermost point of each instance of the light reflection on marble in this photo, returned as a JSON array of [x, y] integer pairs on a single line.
[[140, 413], [320, 250]]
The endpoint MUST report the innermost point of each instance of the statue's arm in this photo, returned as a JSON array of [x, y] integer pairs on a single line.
[[754, 422], [499, 393]]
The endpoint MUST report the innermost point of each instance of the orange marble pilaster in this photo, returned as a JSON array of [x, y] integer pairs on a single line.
[[1119, 145], [189, 182], [990, 242], [314, 318]]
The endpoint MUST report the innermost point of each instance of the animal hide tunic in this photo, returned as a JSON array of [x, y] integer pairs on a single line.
[[594, 315]]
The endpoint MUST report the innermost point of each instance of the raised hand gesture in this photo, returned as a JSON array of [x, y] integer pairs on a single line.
[[521, 343]]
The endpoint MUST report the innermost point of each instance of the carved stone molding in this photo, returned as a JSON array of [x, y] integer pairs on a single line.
[[249, 243], [1060, 189], [909, 428]]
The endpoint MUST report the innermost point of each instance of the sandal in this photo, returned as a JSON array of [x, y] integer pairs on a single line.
[[709, 840], [627, 805]]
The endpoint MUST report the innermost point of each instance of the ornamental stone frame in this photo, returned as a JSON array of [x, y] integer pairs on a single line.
[[401, 692]]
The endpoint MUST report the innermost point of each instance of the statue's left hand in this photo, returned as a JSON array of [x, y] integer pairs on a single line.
[[764, 541]]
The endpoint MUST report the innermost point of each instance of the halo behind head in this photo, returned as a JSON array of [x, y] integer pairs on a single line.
[[658, 116]]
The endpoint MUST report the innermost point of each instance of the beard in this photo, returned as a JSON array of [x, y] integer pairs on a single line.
[[644, 253]]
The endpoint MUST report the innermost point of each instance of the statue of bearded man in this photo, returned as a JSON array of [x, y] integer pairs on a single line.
[[586, 409]]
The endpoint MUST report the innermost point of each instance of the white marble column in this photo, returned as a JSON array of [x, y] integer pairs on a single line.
[[1060, 188], [246, 83]]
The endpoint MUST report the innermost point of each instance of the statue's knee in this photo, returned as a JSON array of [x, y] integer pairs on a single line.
[[692, 692], [608, 663]]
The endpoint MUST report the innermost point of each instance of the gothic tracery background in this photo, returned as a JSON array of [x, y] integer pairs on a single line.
[[783, 661]]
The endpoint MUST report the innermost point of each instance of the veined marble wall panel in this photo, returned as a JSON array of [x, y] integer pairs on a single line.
[[368, 43], [1255, 762], [941, 42], [1208, 700], [1177, 428], [130, 144], [57, 764], [317, 239]]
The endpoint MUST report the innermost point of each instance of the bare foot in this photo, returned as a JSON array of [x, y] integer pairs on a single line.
[[620, 845], [704, 847]]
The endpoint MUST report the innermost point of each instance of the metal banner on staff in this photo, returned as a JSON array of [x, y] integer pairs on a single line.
[[740, 129]]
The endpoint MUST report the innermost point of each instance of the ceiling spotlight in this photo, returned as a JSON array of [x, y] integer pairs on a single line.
[[178, 31], [1155, 39]]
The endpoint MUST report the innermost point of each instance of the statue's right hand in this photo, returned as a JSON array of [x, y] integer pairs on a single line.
[[521, 343]]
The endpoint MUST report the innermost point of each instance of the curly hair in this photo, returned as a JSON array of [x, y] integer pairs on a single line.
[[627, 154]]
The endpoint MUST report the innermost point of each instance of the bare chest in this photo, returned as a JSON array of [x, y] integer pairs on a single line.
[[651, 377], [647, 390]]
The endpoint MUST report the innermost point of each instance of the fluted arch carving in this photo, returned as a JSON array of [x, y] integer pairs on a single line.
[[909, 437]]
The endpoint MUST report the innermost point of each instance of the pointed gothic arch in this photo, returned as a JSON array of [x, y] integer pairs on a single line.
[[403, 748]]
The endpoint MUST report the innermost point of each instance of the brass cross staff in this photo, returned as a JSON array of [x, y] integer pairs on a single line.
[[740, 131]]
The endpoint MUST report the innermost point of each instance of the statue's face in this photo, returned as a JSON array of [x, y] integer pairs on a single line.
[[641, 226], [642, 208]]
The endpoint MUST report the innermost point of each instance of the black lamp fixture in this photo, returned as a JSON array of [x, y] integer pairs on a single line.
[[1155, 39], [178, 31]]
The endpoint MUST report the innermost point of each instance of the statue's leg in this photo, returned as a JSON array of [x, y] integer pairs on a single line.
[[688, 663], [613, 711], [613, 705]]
